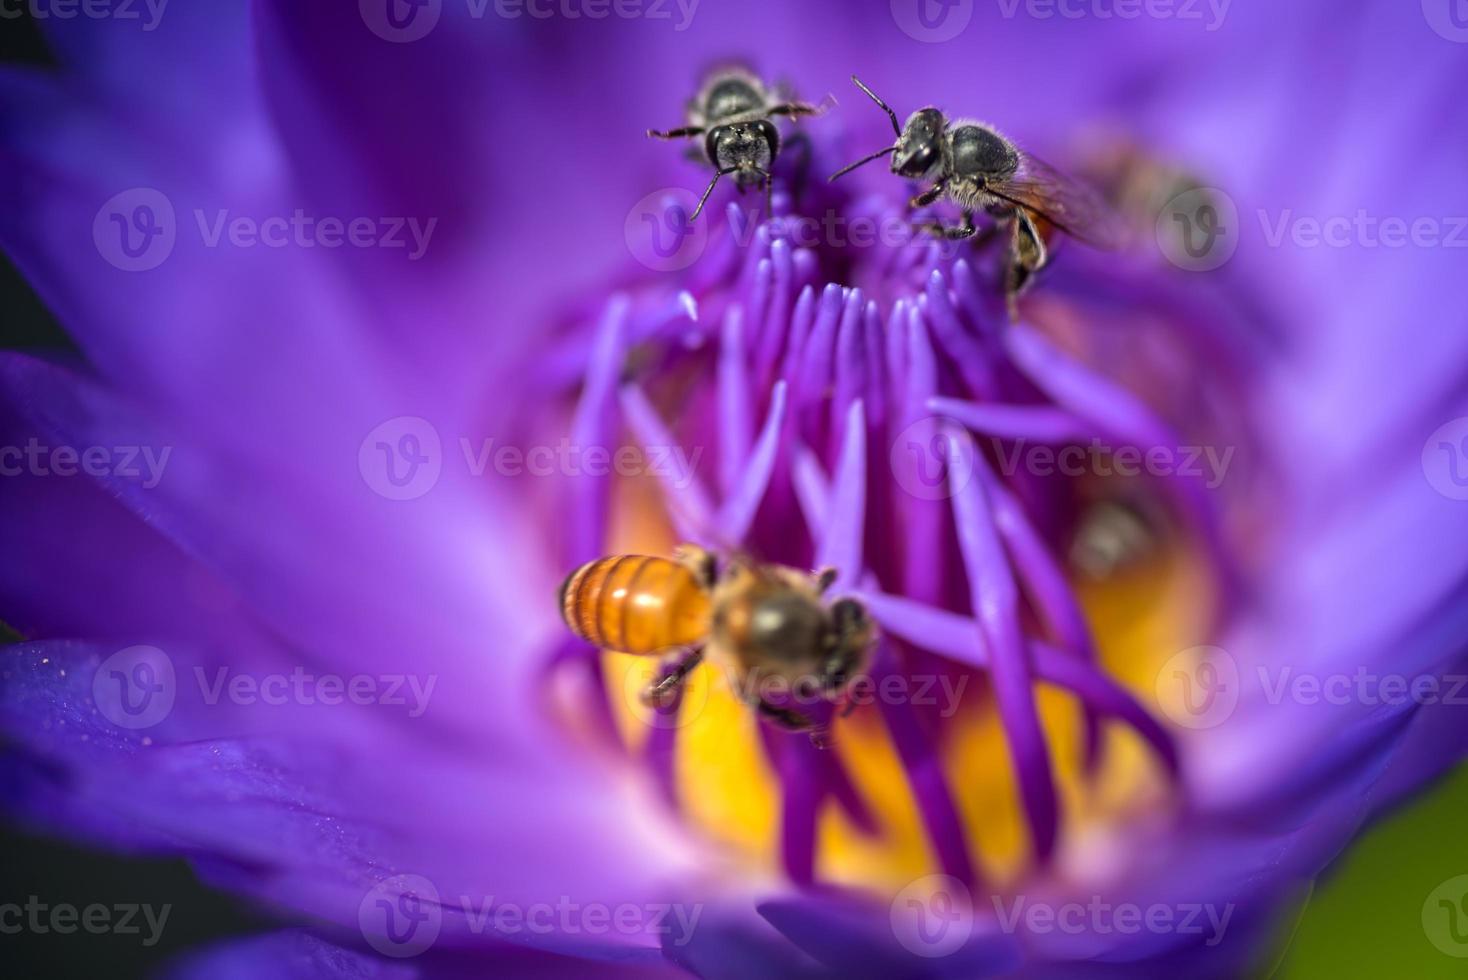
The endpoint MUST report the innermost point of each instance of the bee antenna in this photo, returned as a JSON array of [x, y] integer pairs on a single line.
[[862, 162], [896, 129]]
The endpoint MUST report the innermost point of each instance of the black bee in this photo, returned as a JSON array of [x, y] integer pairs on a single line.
[[975, 167], [732, 113]]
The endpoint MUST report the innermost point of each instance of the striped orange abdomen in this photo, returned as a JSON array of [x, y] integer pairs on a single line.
[[635, 604]]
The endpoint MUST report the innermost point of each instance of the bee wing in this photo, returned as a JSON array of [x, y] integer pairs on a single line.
[[1071, 205]]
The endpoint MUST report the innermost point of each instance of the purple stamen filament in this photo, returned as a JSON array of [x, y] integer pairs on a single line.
[[813, 385]]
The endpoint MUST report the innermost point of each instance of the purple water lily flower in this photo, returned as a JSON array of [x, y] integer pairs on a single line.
[[387, 317]]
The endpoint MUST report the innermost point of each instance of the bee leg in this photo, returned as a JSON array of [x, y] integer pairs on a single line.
[[768, 179], [1026, 256], [700, 561], [797, 147], [794, 721], [794, 109], [674, 134], [1012, 287], [951, 232], [928, 196], [659, 694], [824, 577]]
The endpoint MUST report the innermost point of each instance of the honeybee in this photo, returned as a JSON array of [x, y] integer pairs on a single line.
[[974, 166], [732, 113], [763, 624], [1141, 188]]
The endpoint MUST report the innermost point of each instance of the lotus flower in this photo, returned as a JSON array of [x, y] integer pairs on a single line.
[[387, 318]]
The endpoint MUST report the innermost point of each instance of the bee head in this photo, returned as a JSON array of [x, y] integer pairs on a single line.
[[919, 151], [747, 146]]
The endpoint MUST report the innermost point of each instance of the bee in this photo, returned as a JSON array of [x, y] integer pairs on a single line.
[[732, 113], [763, 624], [1112, 537], [1141, 189], [974, 166]]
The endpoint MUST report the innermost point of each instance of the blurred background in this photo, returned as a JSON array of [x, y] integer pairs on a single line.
[[1364, 918]]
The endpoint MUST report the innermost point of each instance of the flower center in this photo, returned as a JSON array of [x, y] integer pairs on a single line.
[[977, 484]]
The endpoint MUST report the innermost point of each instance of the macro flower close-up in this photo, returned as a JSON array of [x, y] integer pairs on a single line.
[[666, 488]]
